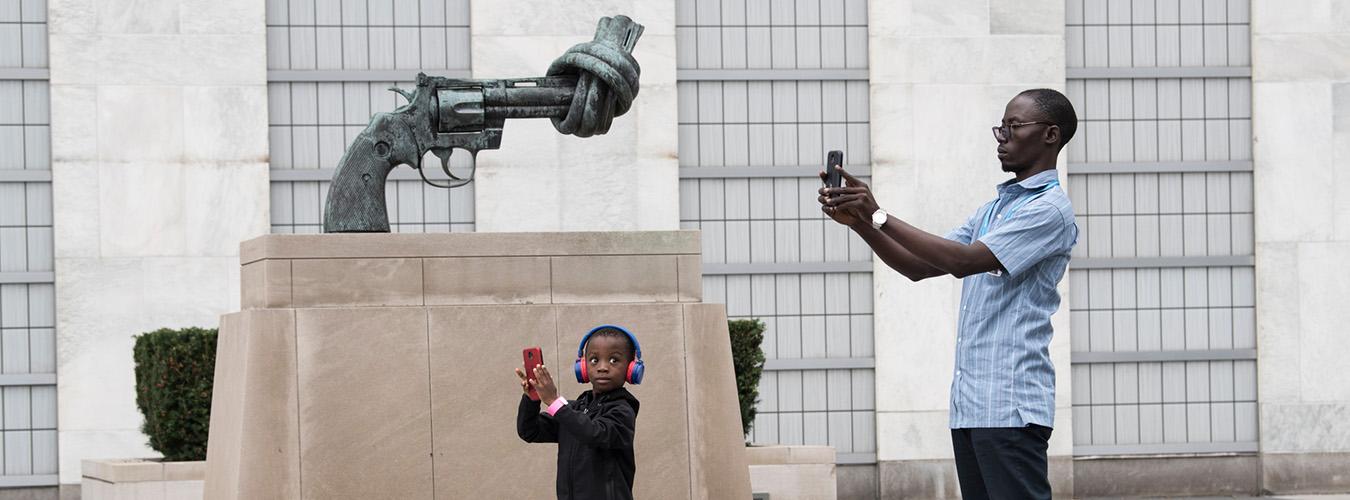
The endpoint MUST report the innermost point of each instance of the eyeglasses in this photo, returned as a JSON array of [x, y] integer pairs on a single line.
[[1004, 132]]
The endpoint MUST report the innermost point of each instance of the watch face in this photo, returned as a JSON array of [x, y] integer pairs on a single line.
[[878, 217]]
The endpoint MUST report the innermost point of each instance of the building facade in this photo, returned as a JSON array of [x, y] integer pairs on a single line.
[[1199, 339]]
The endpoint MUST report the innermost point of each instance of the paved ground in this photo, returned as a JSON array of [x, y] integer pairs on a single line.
[[73, 493], [1276, 497]]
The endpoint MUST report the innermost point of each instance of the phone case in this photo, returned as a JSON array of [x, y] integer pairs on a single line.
[[833, 161], [533, 357]]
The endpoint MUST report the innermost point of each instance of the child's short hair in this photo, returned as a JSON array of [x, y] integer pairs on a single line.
[[616, 333]]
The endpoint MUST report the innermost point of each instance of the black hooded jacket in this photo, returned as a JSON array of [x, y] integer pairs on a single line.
[[595, 443]]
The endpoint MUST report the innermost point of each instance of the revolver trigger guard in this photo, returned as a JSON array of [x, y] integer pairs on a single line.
[[455, 181]]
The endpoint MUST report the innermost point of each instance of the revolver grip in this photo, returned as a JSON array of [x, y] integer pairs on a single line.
[[355, 201]]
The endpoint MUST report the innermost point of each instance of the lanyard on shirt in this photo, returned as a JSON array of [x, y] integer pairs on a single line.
[[989, 216]]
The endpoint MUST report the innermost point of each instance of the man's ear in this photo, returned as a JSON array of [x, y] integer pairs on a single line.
[[1052, 135]]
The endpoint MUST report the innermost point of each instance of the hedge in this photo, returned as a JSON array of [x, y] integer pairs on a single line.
[[174, 371], [748, 360]]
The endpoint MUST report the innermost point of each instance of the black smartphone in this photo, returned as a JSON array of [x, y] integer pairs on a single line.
[[833, 160]]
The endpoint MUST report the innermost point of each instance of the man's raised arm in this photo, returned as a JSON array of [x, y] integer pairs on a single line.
[[915, 253]]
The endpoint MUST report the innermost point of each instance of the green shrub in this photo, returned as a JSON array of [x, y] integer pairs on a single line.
[[174, 371], [748, 359]]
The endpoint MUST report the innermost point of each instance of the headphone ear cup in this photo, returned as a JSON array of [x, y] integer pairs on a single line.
[[635, 371], [580, 369]]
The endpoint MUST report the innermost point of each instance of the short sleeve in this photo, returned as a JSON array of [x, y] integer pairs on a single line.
[[964, 233], [1035, 232]]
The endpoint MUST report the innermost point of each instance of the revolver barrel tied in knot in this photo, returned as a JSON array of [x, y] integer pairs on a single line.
[[582, 92]]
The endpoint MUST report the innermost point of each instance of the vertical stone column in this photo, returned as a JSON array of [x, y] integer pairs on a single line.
[[159, 169], [1301, 131], [942, 73], [543, 181]]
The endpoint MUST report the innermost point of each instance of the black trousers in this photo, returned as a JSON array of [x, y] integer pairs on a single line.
[[1002, 462]]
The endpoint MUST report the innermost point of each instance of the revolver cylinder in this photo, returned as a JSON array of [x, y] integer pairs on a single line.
[[467, 105]]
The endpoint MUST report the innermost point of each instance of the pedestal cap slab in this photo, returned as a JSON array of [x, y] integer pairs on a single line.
[[379, 270], [425, 245]]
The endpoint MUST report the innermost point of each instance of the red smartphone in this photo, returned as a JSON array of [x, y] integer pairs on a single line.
[[534, 356]]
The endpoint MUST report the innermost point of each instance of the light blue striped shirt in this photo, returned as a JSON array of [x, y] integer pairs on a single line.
[[1003, 375]]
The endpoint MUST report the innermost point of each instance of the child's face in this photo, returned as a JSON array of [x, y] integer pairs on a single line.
[[606, 363]]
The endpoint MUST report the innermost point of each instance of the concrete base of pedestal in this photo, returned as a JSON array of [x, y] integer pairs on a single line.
[[141, 479], [786, 472], [381, 366]]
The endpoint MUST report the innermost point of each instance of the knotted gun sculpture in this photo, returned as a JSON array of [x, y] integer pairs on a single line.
[[582, 92]]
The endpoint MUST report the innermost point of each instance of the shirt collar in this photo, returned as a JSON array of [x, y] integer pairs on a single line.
[[1033, 182]]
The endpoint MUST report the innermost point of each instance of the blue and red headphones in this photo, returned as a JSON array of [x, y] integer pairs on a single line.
[[635, 367]]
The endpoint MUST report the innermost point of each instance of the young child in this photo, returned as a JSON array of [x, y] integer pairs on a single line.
[[595, 432]]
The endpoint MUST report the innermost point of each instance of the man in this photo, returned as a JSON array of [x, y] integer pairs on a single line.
[[1011, 253]]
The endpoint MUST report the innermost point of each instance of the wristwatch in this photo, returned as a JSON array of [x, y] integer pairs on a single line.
[[879, 218]]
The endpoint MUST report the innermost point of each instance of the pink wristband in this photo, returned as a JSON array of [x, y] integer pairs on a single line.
[[557, 404]]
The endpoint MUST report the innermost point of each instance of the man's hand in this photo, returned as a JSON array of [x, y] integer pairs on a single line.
[[854, 204], [543, 384]]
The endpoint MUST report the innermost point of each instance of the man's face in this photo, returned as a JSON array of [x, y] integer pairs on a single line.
[[606, 363], [1026, 143]]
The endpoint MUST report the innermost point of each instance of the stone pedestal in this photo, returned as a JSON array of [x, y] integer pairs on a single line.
[[141, 479], [792, 472], [381, 365]]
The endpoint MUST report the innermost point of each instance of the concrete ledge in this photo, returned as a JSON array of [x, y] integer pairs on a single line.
[[131, 470], [123, 470], [396, 245], [185, 471], [1145, 476], [1286, 473], [918, 479], [780, 455], [1216, 475], [1062, 484], [793, 472], [937, 478], [857, 482], [141, 479]]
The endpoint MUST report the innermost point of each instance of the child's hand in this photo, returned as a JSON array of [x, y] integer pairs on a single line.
[[543, 384], [524, 382]]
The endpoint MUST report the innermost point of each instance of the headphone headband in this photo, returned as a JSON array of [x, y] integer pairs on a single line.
[[581, 349]]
